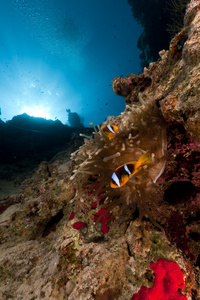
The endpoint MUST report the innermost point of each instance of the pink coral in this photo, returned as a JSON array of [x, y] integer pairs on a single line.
[[168, 279], [100, 216], [177, 231], [79, 225], [71, 216], [103, 219]]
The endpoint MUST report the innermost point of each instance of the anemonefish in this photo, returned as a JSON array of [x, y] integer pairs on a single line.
[[123, 173], [109, 130]]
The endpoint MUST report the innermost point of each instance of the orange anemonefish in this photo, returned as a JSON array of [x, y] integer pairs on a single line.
[[109, 130], [123, 173]]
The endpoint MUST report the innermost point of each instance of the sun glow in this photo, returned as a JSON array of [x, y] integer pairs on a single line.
[[37, 111]]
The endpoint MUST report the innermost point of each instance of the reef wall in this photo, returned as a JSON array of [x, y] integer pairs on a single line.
[[161, 20], [67, 234]]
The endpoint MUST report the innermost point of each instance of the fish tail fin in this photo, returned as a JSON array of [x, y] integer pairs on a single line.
[[143, 160]]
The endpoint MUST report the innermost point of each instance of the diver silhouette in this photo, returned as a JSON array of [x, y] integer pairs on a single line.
[[74, 119]]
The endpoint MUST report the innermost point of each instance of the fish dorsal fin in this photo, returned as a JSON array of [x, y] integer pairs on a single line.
[[143, 160]]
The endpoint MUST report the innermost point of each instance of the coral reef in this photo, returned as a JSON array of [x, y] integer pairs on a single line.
[[175, 77], [67, 234]]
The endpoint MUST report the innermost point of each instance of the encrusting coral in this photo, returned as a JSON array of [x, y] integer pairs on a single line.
[[168, 280], [141, 130]]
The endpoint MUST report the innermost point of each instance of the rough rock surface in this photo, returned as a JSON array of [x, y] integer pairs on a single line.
[[43, 257], [174, 80]]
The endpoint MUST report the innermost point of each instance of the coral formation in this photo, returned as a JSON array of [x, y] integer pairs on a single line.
[[175, 77], [129, 87]]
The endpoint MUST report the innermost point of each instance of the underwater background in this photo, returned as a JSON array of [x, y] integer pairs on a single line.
[[58, 60], [58, 55]]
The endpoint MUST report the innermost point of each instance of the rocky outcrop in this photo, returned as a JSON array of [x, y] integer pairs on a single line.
[[175, 78]]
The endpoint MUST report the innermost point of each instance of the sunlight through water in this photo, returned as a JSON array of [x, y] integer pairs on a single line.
[[37, 111]]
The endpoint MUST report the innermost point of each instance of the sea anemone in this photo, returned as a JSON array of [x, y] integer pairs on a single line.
[[141, 129]]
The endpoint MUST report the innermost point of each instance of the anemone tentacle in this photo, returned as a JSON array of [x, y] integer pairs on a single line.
[[141, 129]]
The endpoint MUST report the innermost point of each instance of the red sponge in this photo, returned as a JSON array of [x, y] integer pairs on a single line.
[[168, 279]]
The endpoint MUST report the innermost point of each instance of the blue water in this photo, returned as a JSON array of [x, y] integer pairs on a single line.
[[59, 54]]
